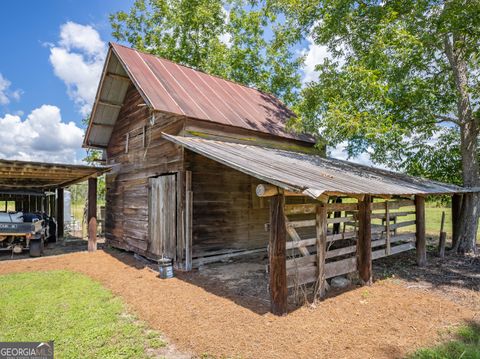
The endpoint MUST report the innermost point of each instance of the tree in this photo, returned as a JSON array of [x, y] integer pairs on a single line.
[[401, 82], [232, 39]]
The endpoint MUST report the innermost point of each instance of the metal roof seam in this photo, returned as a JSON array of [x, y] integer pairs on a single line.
[[226, 102], [240, 96], [311, 173], [208, 118], [180, 85], [160, 83], [219, 98]]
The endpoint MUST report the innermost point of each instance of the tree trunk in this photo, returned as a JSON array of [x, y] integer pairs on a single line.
[[469, 131]]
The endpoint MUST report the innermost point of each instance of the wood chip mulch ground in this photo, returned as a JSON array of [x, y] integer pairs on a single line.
[[385, 320]]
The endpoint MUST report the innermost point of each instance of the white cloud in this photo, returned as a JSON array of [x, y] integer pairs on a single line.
[[314, 55], [42, 136], [77, 60], [5, 93], [74, 36], [226, 37]]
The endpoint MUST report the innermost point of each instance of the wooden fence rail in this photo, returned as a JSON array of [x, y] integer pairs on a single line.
[[339, 251]]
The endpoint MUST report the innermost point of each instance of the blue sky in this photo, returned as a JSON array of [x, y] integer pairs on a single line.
[[27, 28], [30, 29], [52, 52]]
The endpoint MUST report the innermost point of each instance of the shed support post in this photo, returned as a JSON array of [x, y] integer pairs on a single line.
[[181, 262], [188, 220], [59, 214], [364, 244], [421, 245], [457, 200], [277, 251], [92, 214], [321, 223]]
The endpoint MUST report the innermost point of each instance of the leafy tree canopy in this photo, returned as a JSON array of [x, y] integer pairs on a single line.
[[388, 87], [238, 40]]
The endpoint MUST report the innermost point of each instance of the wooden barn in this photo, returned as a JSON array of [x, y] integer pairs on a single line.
[[204, 169]]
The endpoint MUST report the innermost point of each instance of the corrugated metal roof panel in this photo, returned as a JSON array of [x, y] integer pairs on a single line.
[[17, 175], [179, 89], [312, 174]]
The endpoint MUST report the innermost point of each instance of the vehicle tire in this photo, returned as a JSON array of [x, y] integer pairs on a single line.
[[36, 248]]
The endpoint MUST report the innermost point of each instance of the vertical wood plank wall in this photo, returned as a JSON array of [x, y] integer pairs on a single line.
[[148, 155], [227, 214]]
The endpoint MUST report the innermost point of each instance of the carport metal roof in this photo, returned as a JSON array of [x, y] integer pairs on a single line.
[[18, 175], [313, 175]]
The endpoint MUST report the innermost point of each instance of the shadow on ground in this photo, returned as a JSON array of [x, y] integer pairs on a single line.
[[245, 281], [54, 249]]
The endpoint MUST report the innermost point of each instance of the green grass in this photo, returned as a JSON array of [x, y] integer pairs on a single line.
[[84, 319], [466, 345], [433, 217]]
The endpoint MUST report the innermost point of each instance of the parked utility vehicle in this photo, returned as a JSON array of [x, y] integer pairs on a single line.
[[24, 231]]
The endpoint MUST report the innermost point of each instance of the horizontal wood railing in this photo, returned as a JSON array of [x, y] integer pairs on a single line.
[[340, 256]]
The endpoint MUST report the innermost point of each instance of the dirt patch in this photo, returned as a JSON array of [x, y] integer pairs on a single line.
[[455, 277], [385, 320]]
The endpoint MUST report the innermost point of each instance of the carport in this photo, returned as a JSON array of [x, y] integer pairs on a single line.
[[24, 182]]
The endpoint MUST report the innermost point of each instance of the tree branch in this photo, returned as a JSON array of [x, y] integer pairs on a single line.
[[443, 118]]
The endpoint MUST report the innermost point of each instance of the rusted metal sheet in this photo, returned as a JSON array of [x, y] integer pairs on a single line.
[[169, 87], [312, 175]]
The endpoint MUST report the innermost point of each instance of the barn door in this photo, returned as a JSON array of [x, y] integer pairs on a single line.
[[162, 216]]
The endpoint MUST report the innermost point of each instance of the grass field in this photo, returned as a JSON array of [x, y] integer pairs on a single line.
[[84, 319], [466, 345], [433, 217]]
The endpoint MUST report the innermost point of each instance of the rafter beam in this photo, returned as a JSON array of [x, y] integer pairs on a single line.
[[118, 77], [110, 104]]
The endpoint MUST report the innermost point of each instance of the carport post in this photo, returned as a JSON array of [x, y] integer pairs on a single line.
[[364, 244], [456, 209], [420, 245], [59, 214], [92, 214], [277, 256]]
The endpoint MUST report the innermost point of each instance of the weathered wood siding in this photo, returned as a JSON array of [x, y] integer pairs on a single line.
[[146, 156], [227, 215]]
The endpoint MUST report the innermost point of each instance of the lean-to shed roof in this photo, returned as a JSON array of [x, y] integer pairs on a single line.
[[22, 175], [169, 87], [312, 175]]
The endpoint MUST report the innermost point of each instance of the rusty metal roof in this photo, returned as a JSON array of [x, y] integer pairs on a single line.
[[312, 175], [173, 88], [20, 175]]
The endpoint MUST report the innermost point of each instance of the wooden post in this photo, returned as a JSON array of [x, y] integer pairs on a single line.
[[336, 226], [180, 262], [92, 214], [188, 220], [442, 238], [59, 214], [364, 244], [277, 251], [421, 245], [388, 248], [321, 224], [457, 200]]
